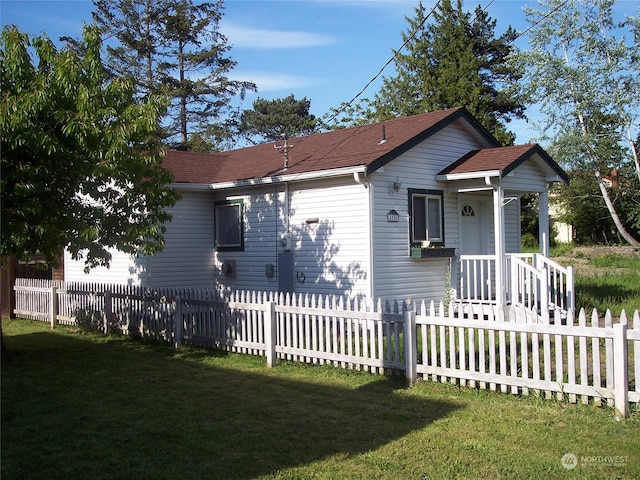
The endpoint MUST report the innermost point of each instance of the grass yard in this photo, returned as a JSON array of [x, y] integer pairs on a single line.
[[79, 405], [606, 277]]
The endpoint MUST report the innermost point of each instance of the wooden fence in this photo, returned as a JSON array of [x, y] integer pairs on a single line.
[[577, 358]]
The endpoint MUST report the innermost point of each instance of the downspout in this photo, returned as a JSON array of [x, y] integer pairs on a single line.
[[370, 244], [360, 180], [286, 207]]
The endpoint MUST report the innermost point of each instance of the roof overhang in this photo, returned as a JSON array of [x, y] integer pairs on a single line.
[[284, 177], [468, 176]]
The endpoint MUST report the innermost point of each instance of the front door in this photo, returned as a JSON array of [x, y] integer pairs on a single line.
[[476, 272], [474, 229]]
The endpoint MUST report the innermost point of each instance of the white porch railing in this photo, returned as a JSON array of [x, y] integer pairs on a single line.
[[532, 281], [477, 279]]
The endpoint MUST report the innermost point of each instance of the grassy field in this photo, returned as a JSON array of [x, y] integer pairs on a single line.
[[78, 405], [606, 277]]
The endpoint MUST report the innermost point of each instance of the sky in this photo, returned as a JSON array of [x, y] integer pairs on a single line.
[[324, 50]]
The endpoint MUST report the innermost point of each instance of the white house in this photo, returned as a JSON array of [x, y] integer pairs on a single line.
[[388, 210]]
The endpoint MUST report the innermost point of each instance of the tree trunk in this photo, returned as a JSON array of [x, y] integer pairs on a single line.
[[183, 95], [612, 211]]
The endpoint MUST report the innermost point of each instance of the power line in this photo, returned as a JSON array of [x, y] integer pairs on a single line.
[[393, 57], [541, 20], [413, 35]]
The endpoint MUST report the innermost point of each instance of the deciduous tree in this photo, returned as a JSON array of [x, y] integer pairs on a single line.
[[81, 165], [583, 71]]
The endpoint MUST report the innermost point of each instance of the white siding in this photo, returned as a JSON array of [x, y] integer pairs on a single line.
[[512, 226], [187, 259], [124, 269], [330, 254], [333, 254], [261, 238], [526, 178], [396, 275]]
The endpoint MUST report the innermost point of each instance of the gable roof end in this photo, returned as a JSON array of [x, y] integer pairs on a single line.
[[501, 161]]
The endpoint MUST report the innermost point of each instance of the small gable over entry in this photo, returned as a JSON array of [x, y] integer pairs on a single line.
[[504, 172]]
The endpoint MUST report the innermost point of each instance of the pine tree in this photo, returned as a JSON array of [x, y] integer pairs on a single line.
[[453, 61], [135, 24], [175, 48], [274, 119]]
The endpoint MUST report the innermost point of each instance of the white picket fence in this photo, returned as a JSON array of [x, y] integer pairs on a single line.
[[586, 359]]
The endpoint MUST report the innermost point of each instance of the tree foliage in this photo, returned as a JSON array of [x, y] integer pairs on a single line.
[[583, 71], [584, 208], [349, 115], [81, 165], [272, 120], [175, 48], [455, 60]]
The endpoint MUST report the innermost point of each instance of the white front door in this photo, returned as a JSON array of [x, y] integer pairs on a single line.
[[476, 281], [474, 229]]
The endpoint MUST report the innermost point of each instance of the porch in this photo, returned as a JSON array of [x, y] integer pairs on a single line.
[[531, 280]]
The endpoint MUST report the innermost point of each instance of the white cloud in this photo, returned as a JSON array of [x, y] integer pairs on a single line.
[[269, 82], [246, 37]]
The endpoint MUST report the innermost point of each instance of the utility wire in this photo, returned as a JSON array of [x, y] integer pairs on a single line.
[[413, 35], [541, 20], [393, 57]]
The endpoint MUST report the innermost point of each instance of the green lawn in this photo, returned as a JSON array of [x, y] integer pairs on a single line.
[[78, 405], [605, 277], [613, 284]]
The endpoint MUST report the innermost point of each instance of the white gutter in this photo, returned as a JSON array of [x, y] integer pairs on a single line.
[[358, 179], [292, 177], [468, 176]]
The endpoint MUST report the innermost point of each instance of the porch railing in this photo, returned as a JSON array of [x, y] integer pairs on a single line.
[[477, 279], [538, 282], [531, 280]]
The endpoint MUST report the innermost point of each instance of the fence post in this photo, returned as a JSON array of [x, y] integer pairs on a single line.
[[270, 323], [54, 306], [107, 310], [410, 347], [571, 294], [544, 289], [514, 295], [620, 372], [177, 323]]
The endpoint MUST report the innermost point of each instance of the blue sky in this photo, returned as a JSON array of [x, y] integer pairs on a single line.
[[324, 50]]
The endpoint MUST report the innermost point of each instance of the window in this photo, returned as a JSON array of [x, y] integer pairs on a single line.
[[427, 218], [229, 233], [467, 211]]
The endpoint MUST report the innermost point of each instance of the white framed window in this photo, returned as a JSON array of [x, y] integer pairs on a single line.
[[427, 216], [229, 231]]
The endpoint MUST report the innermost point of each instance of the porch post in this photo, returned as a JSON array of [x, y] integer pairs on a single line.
[[498, 222], [543, 222]]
